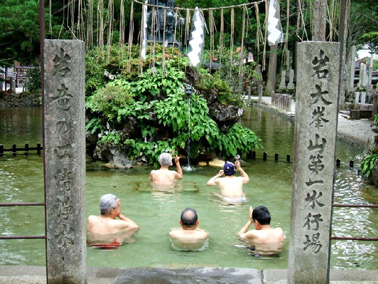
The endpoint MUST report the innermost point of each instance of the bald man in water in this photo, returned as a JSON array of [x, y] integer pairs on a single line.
[[164, 178], [189, 237], [112, 227]]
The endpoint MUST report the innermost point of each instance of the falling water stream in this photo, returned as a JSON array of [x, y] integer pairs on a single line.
[[188, 167]]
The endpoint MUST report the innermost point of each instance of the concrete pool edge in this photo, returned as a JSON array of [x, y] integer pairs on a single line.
[[97, 275]]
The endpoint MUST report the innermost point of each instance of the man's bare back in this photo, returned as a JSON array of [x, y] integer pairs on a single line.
[[107, 230], [264, 239], [111, 226], [165, 179], [231, 187]]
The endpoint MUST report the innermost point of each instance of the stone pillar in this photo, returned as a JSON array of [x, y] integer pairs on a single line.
[[364, 76], [314, 161], [283, 78], [260, 91], [249, 95], [64, 147], [370, 75], [290, 85], [287, 62], [351, 69]]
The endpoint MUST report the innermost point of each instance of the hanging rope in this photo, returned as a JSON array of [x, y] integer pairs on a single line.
[[110, 23], [232, 41], [78, 19], [175, 30], [221, 34], [153, 36], [258, 31], [50, 17], [205, 9], [301, 25], [122, 28], [73, 17], [211, 29], [265, 35], [89, 41], [286, 45], [101, 29], [241, 65], [163, 59], [187, 27], [131, 32]]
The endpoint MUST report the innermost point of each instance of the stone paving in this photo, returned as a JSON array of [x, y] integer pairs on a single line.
[[357, 132], [207, 275]]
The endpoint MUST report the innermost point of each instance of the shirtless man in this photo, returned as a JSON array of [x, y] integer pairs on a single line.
[[189, 237], [231, 186], [264, 240], [106, 229], [164, 179]]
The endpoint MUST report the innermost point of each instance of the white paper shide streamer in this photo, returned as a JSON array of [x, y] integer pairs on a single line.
[[275, 34], [197, 39], [144, 40]]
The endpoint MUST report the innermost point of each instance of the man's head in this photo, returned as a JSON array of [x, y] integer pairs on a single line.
[[189, 218], [165, 159], [229, 169], [262, 215], [107, 203]]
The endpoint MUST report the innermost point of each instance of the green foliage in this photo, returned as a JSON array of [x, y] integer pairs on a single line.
[[225, 95], [370, 38], [152, 150], [376, 119], [154, 83], [155, 100], [114, 97], [33, 84], [368, 163], [237, 140]]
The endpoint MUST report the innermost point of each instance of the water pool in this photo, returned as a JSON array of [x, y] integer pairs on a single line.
[[21, 180]]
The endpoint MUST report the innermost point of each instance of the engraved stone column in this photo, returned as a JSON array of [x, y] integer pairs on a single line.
[[314, 161], [370, 73], [351, 64], [282, 85], [290, 85], [64, 146]]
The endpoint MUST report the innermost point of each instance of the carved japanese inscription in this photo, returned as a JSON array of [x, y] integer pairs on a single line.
[[64, 146], [314, 159]]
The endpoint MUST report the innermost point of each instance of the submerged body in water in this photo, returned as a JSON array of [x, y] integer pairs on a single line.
[[189, 237], [111, 227], [165, 179], [264, 240], [231, 187]]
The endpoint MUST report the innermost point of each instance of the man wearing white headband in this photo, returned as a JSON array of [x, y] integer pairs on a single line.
[[165, 179], [231, 186]]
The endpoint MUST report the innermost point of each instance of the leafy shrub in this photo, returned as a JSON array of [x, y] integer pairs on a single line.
[[368, 162], [110, 99], [155, 100], [33, 84]]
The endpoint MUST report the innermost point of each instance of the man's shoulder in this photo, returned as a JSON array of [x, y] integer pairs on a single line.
[[93, 218]]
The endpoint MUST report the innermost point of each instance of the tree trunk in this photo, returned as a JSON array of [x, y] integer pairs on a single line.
[[319, 20], [272, 71], [345, 6]]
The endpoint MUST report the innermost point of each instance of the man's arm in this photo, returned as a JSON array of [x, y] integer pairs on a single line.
[[128, 223], [245, 228], [213, 180], [179, 170], [242, 172]]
